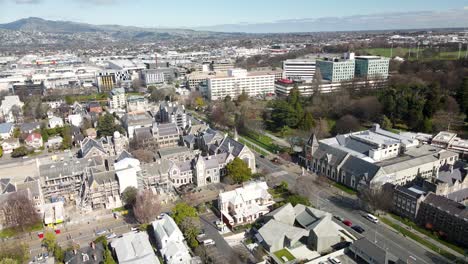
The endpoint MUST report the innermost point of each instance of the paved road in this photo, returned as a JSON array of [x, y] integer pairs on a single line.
[[327, 198], [221, 252]]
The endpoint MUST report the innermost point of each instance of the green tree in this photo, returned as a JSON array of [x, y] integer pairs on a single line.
[[242, 97], [190, 227], [8, 261], [1, 152], [59, 253], [308, 122], [297, 199], [238, 171], [129, 196], [67, 137], [107, 126], [385, 122], [182, 211], [50, 241], [16, 132], [19, 152], [108, 259], [199, 102], [462, 97]]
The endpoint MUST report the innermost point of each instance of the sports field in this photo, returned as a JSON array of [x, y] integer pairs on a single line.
[[402, 52]]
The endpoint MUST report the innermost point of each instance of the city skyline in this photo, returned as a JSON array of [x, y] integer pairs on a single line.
[[244, 16]]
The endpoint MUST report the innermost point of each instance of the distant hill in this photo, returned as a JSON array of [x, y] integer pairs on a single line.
[[67, 27]]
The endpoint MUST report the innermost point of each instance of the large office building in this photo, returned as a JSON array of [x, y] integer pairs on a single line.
[[284, 86], [337, 69], [151, 77], [299, 69], [374, 157], [372, 67], [238, 81]]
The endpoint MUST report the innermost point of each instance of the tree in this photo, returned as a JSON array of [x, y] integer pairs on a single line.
[[129, 196], [107, 126], [23, 213], [182, 211], [1, 152], [16, 112], [385, 122], [108, 259], [347, 124], [19, 152], [67, 137], [8, 261], [16, 132], [308, 122], [377, 199], [297, 199], [143, 155], [238, 170], [190, 227], [146, 207], [14, 251], [199, 102], [50, 240], [462, 96]]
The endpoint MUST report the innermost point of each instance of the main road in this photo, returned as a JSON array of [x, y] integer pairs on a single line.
[[329, 199]]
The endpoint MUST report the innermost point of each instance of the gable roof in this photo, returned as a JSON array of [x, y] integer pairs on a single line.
[[89, 144]]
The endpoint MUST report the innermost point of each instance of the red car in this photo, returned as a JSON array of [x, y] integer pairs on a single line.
[[40, 235], [57, 231], [347, 223]]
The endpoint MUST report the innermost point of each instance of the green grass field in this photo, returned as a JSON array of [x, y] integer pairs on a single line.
[[402, 52]]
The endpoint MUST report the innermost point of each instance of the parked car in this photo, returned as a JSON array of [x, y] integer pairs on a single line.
[[334, 260], [208, 242], [358, 229], [262, 156], [101, 232], [110, 236], [339, 218], [347, 223], [134, 228]]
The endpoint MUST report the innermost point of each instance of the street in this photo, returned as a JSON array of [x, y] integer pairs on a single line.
[[328, 198]]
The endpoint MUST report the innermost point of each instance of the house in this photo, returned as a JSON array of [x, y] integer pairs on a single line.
[[95, 107], [374, 157], [92, 254], [6, 130], [55, 122], [289, 227], [10, 107], [245, 204], [8, 145], [365, 251], [75, 120], [170, 241], [34, 140], [91, 132], [27, 128], [134, 248], [54, 142]]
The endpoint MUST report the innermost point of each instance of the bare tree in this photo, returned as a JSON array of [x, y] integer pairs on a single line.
[[143, 155], [21, 211], [347, 124], [16, 112], [147, 206], [377, 199]]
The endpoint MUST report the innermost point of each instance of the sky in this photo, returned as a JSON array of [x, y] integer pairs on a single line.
[[202, 13]]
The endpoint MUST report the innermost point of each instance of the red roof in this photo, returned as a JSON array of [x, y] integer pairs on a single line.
[[287, 81], [33, 136]]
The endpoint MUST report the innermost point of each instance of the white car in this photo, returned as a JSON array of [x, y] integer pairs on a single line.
[[334, 260], [208, 242], [110, 236]]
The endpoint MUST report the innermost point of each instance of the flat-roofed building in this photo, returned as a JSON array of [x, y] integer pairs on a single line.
[[372, 67], [336, 69], [299, 69], [239, 81]]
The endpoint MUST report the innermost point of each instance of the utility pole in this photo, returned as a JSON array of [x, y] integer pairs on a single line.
[[417, 52], [459, 49]]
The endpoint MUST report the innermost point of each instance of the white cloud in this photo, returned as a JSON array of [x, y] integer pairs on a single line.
[[27, 2]]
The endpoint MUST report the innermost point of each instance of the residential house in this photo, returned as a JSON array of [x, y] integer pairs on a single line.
[[134, 248], [95, 107], [54, 142], [28, 128], [34, 140], [75, 120], [170, 241], [92, 254], [55, 122], [8, 145], [6, 130], [245, 204], [10, 107]]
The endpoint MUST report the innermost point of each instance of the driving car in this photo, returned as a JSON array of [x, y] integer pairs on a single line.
[[358, 229]]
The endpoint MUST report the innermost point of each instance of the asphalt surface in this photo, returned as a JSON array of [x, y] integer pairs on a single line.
[[327, 198]]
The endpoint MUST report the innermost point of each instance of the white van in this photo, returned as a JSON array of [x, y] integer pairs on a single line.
[[334, 260], [372, 218]]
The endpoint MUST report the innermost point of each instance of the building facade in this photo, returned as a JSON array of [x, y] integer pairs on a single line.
[[299, 69], [372, 67]]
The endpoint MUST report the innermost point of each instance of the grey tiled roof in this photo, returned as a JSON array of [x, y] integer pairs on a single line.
[[88, 144], [447, 205], [370, 249], [67, 168]]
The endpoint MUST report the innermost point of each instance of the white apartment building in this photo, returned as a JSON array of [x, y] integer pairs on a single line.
[[237, 81], [299, 69], [117, 98], [245, 204]]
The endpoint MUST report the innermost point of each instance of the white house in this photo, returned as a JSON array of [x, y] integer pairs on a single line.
[[10, 144], [245, 204], [55, 122], [75, 120], [170, 241], [134, 248], [8, 104]]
